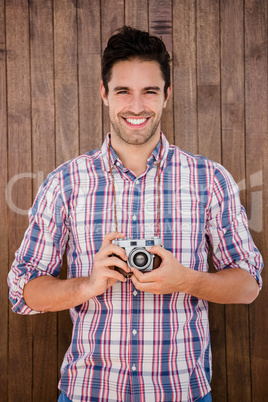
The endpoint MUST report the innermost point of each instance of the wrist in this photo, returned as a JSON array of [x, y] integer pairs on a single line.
[[189, 280], [85, 289]]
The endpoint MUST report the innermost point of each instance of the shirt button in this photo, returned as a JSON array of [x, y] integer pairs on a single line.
[[134, 217], [134, 332], [135, 292], [117, 163], [137, 182], [133, 368]]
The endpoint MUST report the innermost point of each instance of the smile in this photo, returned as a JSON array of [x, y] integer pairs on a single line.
[[137, 122]]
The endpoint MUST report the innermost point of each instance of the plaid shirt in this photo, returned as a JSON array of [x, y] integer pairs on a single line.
[[129, 345]]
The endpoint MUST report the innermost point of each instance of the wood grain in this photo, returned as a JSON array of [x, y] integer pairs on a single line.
[[136, 14], [160, 24], [112, 19], [256, 90], [184, 75], [4, 304], [89, 75], [66, 113], [43, 139], [51, 111], [66, 85], [19, 162], [233, 148], [209, 145], [208, 80]]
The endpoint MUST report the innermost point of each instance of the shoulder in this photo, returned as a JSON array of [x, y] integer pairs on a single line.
[[85, 161], [200, 162], [71, 173], [210, 177]]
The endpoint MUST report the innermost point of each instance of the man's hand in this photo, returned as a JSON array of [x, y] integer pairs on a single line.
[[47, 293], [103, 274], [168, 278], [233, 285]]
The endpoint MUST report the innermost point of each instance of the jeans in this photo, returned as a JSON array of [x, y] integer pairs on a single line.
[[63, 398]]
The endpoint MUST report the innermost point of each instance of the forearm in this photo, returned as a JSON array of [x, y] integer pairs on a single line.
[[232, 285], [47, 293]]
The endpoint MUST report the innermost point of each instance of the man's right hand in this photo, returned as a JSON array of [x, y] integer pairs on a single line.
[[109, 255], [47, 293]]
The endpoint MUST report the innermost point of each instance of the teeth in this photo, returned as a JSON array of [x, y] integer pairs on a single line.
[[136, 122]]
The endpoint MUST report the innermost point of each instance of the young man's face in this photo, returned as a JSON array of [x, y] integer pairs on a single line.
[[136, 100]]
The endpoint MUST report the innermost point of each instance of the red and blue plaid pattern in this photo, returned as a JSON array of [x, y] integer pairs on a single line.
[[128, 345]]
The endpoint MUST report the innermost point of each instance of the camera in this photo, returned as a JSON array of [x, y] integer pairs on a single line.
[[138, 256]]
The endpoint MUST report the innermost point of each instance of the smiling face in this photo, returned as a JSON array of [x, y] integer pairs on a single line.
[[136, 100]]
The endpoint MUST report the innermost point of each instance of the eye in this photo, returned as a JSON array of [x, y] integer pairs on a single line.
[[151, 93], [121, 92]]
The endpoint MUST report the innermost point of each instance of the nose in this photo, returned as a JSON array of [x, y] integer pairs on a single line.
[[136, 104]]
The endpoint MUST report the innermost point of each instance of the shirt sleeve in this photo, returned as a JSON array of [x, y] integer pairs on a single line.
[[227, 228], [43, 245]]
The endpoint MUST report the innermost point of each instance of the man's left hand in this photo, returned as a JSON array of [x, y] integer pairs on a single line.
[[168, 278]]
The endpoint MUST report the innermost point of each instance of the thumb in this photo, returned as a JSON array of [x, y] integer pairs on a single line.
[[158, 250]]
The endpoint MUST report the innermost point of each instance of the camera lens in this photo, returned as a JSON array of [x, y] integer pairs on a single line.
[[140, 259]]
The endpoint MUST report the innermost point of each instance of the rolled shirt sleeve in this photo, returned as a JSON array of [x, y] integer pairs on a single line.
[[43, 245], [227, 228]]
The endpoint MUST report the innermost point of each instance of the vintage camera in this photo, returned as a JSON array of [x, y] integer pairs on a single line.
[[138, 256]]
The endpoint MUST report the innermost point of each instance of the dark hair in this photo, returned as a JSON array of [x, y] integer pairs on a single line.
[[130, 43]]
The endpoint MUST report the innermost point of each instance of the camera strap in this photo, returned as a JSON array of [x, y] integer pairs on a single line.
[[157, 230]]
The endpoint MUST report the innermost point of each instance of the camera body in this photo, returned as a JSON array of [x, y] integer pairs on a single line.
[[138, 256]]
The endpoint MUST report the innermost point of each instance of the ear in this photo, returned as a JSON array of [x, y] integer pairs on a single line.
[[103, 94], [168, 95]]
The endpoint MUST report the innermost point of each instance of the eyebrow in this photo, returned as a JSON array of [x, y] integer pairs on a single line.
[[145, 89]]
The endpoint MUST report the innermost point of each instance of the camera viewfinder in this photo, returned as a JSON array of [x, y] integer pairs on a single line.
[[149, 242]]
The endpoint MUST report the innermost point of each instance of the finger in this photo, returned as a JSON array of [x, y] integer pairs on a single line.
[[113, 261], [109, 237], [146, 277], [161, 251], [111, 274], [145, 287], [113, 249]]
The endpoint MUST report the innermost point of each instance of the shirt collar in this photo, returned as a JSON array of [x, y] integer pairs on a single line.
[[153, 158]]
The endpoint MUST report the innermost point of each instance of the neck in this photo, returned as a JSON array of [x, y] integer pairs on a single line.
[[134, 157]]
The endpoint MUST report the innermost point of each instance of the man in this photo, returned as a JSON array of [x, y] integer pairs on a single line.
[[137, 336]]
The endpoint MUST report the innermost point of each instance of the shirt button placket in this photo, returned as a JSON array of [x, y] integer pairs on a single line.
[[134, 338], [135, 212]]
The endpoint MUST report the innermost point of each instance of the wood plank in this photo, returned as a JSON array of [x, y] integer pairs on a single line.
[[89, 70], [209, 145], [43, 138], [67, 130], [160, 21], [160, 24], [136, 14], [184, 75], [4, 304], [218, 348], [66, 85], [232, 68], [208, 79], [112, 17], [19, 162], [232, 71], [256, 90]]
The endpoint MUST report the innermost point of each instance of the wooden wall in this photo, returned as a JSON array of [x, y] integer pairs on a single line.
[[51, 111]]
